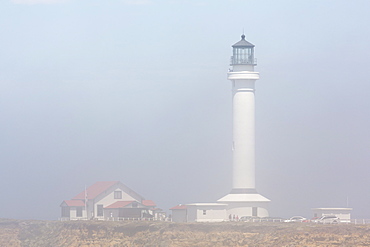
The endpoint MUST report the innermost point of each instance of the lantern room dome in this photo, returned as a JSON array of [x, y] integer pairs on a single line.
[[243, 43]]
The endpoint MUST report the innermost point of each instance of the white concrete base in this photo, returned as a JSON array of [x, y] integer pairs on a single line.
[[246, 204], [243, 198]]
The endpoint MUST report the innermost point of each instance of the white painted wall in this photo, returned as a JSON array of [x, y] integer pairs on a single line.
[[243, 67], [73, 214], [341, 213], [246, 209], [108, 199], [90, 209], [243, 86], [213, 212], [243, 134]]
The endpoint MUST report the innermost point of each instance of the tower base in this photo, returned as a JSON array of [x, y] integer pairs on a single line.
[[246, 204]]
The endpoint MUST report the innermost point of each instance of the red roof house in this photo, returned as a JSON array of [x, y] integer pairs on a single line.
[[106, 200]]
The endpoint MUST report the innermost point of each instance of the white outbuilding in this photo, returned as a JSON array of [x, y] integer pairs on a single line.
[[341, 213], [206, 212], [179, 213], [200, 212]]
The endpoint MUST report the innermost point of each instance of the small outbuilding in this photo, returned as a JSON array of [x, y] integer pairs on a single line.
[[179, 213], [200, 212], [207, 212], [342, 213]]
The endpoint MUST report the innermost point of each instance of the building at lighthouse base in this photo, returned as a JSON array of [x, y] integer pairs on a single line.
[[229, 207], [246, 204]]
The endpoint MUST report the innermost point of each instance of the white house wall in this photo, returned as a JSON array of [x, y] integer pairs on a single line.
[[109, 193], [212, 214], [73, 213], [90, 209], [107, 198]]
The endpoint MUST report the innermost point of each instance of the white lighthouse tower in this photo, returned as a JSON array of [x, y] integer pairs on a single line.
[[243, 200]]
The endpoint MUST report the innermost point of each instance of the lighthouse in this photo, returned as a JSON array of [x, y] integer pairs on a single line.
[[243, 199]]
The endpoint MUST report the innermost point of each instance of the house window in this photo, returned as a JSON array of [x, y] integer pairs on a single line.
[[204, 212], [65, 212], [79, 212], [118, 195], [99, 210]]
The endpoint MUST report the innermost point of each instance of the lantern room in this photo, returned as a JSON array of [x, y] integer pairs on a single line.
[[243, 53]]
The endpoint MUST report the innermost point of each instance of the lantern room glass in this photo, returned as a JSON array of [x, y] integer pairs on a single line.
[[243, 55]]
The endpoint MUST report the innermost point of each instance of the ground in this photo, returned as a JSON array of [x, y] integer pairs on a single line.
[[166, 234]]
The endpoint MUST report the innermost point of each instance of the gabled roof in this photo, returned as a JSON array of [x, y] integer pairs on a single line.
[[178, 207], [95, 190], [148, 203], [74, 203], [119, 204]]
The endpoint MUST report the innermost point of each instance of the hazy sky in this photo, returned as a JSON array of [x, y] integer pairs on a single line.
[[136, 91]]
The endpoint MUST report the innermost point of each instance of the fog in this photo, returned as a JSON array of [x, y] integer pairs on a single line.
[[136, 91]]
